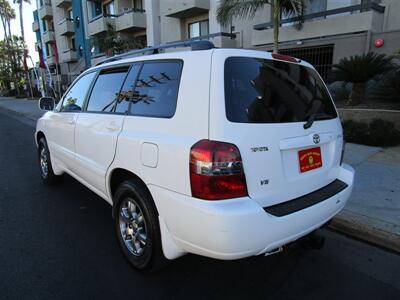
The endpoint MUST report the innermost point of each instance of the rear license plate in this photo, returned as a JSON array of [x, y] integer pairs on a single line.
[[310, 159]]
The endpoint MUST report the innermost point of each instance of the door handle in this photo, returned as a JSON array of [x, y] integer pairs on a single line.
[[71, 121], [112, 127]]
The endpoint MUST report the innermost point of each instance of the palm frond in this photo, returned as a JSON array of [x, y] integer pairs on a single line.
[[361, 68], [241, 9], [295, 9]]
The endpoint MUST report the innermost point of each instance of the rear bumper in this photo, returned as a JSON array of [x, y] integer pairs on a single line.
[[240, 227]]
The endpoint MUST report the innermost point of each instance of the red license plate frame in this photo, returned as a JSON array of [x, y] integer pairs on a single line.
[[310, 159]]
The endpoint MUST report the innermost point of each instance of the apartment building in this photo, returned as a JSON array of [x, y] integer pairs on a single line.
[[332, 29], [115, 26], [60, 33]]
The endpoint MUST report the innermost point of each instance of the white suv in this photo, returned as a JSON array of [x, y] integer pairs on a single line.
[[224, 153]]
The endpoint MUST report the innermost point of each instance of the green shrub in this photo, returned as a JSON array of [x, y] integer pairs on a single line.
[[388, 89], [377, 133]]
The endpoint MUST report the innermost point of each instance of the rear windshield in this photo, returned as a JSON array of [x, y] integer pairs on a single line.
[[270, 91]]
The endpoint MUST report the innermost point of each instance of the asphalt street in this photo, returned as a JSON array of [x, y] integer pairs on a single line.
[[58, 243]]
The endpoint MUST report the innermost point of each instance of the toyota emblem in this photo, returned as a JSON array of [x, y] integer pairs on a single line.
[[316, 138]]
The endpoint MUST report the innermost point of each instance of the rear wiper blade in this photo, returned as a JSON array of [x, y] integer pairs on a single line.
[[316, 116]]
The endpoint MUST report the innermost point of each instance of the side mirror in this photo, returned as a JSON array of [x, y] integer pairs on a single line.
[[46, 103]]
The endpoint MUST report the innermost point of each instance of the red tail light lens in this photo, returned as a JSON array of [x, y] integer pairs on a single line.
[[216, 171], [284, 57]]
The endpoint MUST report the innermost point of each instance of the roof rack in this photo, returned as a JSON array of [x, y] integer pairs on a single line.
[[194, 45]]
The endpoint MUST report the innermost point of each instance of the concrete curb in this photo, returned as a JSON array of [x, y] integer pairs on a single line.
[[377, 232]]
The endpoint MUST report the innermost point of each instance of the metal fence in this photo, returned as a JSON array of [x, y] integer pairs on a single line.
[[321, 57]]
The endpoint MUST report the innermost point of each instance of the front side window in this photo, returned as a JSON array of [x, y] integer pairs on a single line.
[[271, 91], [106, 90], [75, 97], [198, 29], [156, 89]]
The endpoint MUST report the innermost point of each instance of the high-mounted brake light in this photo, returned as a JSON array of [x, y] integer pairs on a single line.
[[285, 57], [216, 171]]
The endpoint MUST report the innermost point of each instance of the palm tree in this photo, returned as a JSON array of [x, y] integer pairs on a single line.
[[21, 19], [358, 70], [246, 9]]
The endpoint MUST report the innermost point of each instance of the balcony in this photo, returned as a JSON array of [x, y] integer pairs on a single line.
[[185, 8], [339, 21], [131, 20], [66, 27], [46, 12], [63, 3], [68, 55], [50, 60], [38, 45], [48, 37], [99, 24], [35, 26]]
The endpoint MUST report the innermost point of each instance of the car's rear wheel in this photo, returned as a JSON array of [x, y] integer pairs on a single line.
[[137, 227], [46, 169]]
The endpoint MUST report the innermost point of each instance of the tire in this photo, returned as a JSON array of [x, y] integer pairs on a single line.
[[46, 169], [137, 227]]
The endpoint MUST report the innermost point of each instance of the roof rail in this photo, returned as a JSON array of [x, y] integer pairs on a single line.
[[194, 45]]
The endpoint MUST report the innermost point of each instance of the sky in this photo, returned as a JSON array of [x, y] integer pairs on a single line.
[[30, 37]]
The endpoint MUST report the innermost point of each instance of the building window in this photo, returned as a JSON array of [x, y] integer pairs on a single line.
[[109, 8], [70, 15], [72, 46], [96, 9], [137, 4], [44, 25], [198, 29]]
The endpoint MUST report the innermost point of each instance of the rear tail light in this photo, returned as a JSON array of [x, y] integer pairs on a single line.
[[216, 171]]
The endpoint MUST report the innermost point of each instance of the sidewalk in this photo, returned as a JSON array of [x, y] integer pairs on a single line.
[[373, 211]]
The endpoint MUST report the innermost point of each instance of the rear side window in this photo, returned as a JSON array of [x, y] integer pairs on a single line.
[[127, 90], [156, 89], [270, 91], [106, 90]]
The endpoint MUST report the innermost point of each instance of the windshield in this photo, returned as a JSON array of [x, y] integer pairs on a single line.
[[271, 91]]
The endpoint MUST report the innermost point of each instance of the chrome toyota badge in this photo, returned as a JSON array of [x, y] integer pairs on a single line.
[[316, 138]]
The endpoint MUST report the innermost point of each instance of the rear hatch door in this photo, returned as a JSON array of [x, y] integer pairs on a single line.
[[261, 105]]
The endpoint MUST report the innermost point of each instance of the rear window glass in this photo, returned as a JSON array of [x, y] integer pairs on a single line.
[[270, 91]]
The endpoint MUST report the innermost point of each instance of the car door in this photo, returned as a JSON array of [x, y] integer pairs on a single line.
[[61, 122], [98, 127]]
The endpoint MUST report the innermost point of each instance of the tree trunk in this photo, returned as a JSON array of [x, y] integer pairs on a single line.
[[357, 93], [21, 21], [276, 19]]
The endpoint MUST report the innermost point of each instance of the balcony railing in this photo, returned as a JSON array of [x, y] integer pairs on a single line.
[[133, 19], [354, 8], [48, 36], [69, 55], [35, 26], [186, 8], [46, 12], [63, 3], [66, 27], [340, 21], [100, 23]]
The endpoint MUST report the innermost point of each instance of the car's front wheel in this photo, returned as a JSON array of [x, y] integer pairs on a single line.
[[137, 227], [46, 169]]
